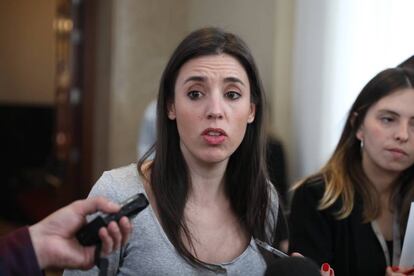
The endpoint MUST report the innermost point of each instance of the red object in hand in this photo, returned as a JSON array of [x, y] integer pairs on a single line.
[[325, 267]]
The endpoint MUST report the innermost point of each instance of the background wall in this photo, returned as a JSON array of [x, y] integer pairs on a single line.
[[27, 60], [142, 36]]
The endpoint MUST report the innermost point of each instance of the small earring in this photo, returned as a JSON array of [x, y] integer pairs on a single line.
[[362, 144]]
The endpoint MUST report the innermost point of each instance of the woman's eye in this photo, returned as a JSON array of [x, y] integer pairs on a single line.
[[193, 95], [411, 124], [387, 120], [233, 95]]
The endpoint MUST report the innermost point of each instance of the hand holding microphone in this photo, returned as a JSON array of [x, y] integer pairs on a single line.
[[54, 238]]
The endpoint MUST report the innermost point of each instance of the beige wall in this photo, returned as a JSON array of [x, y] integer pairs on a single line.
[[102, 97], [144, 34], [27, 56], [281, 80]]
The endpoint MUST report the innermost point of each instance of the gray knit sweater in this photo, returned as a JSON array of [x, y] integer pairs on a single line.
[[149, 251]]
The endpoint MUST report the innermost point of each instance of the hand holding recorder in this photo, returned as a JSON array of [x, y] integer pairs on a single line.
[[54, 238]]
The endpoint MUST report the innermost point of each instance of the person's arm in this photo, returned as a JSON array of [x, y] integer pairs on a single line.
[[54, 239], [17, 256], [310, 229]]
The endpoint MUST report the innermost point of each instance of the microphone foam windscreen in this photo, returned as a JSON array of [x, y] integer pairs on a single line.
[[293, 266]]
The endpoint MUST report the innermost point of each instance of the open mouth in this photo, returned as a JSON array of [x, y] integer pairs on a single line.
[[214, 136]]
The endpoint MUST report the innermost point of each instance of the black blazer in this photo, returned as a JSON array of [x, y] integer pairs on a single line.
[[348, 245]]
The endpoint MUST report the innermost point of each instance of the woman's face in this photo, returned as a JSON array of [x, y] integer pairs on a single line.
[[387, 133], [212, 107]]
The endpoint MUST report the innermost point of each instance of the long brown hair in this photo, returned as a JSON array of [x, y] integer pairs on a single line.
[[246, 174], [343, 174]]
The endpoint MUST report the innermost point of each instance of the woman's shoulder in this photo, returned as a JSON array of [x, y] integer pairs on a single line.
[[119, 184], [310, 191], [314, 185]]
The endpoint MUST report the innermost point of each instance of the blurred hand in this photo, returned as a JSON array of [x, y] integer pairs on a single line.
[[327, 270], [296, 254], [397, 271], [54, 238]]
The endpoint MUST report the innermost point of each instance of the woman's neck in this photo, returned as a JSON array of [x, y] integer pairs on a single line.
[[207, 182]]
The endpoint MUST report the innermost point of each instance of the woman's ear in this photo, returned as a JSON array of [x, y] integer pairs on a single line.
[[252, 113], [171, 111], [360, 132]]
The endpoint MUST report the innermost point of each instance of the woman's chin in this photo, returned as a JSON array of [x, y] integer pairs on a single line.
[[215, 158]]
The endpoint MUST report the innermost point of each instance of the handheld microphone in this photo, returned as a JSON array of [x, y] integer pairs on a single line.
[[88, 234], [293, 266]]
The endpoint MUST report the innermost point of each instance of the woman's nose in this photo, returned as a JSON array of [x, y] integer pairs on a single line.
[[215, 108], [402, 133], [214, 116]]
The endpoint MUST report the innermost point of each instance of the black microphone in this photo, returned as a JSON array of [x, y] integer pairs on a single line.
[[293, 266]]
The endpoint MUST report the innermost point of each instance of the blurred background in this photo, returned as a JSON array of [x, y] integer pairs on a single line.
[[77, 75]]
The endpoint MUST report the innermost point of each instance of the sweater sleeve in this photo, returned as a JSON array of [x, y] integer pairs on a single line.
[[311, 232], [17, 256]]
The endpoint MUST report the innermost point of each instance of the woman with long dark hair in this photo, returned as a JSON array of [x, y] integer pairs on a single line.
[[210, 198]]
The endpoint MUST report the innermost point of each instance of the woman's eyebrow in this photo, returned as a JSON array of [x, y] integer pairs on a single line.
[[203, 79], [381, 111], [195, 78], [234, 79], [391, 112]]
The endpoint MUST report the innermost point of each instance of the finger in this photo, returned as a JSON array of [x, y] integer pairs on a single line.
[[88, 259], [325, 269], [397, 271], [126, 229], [408, 271], [296, 254], [107, 242], [391, 270], [115, 234], [94, 204], [388, 271]]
